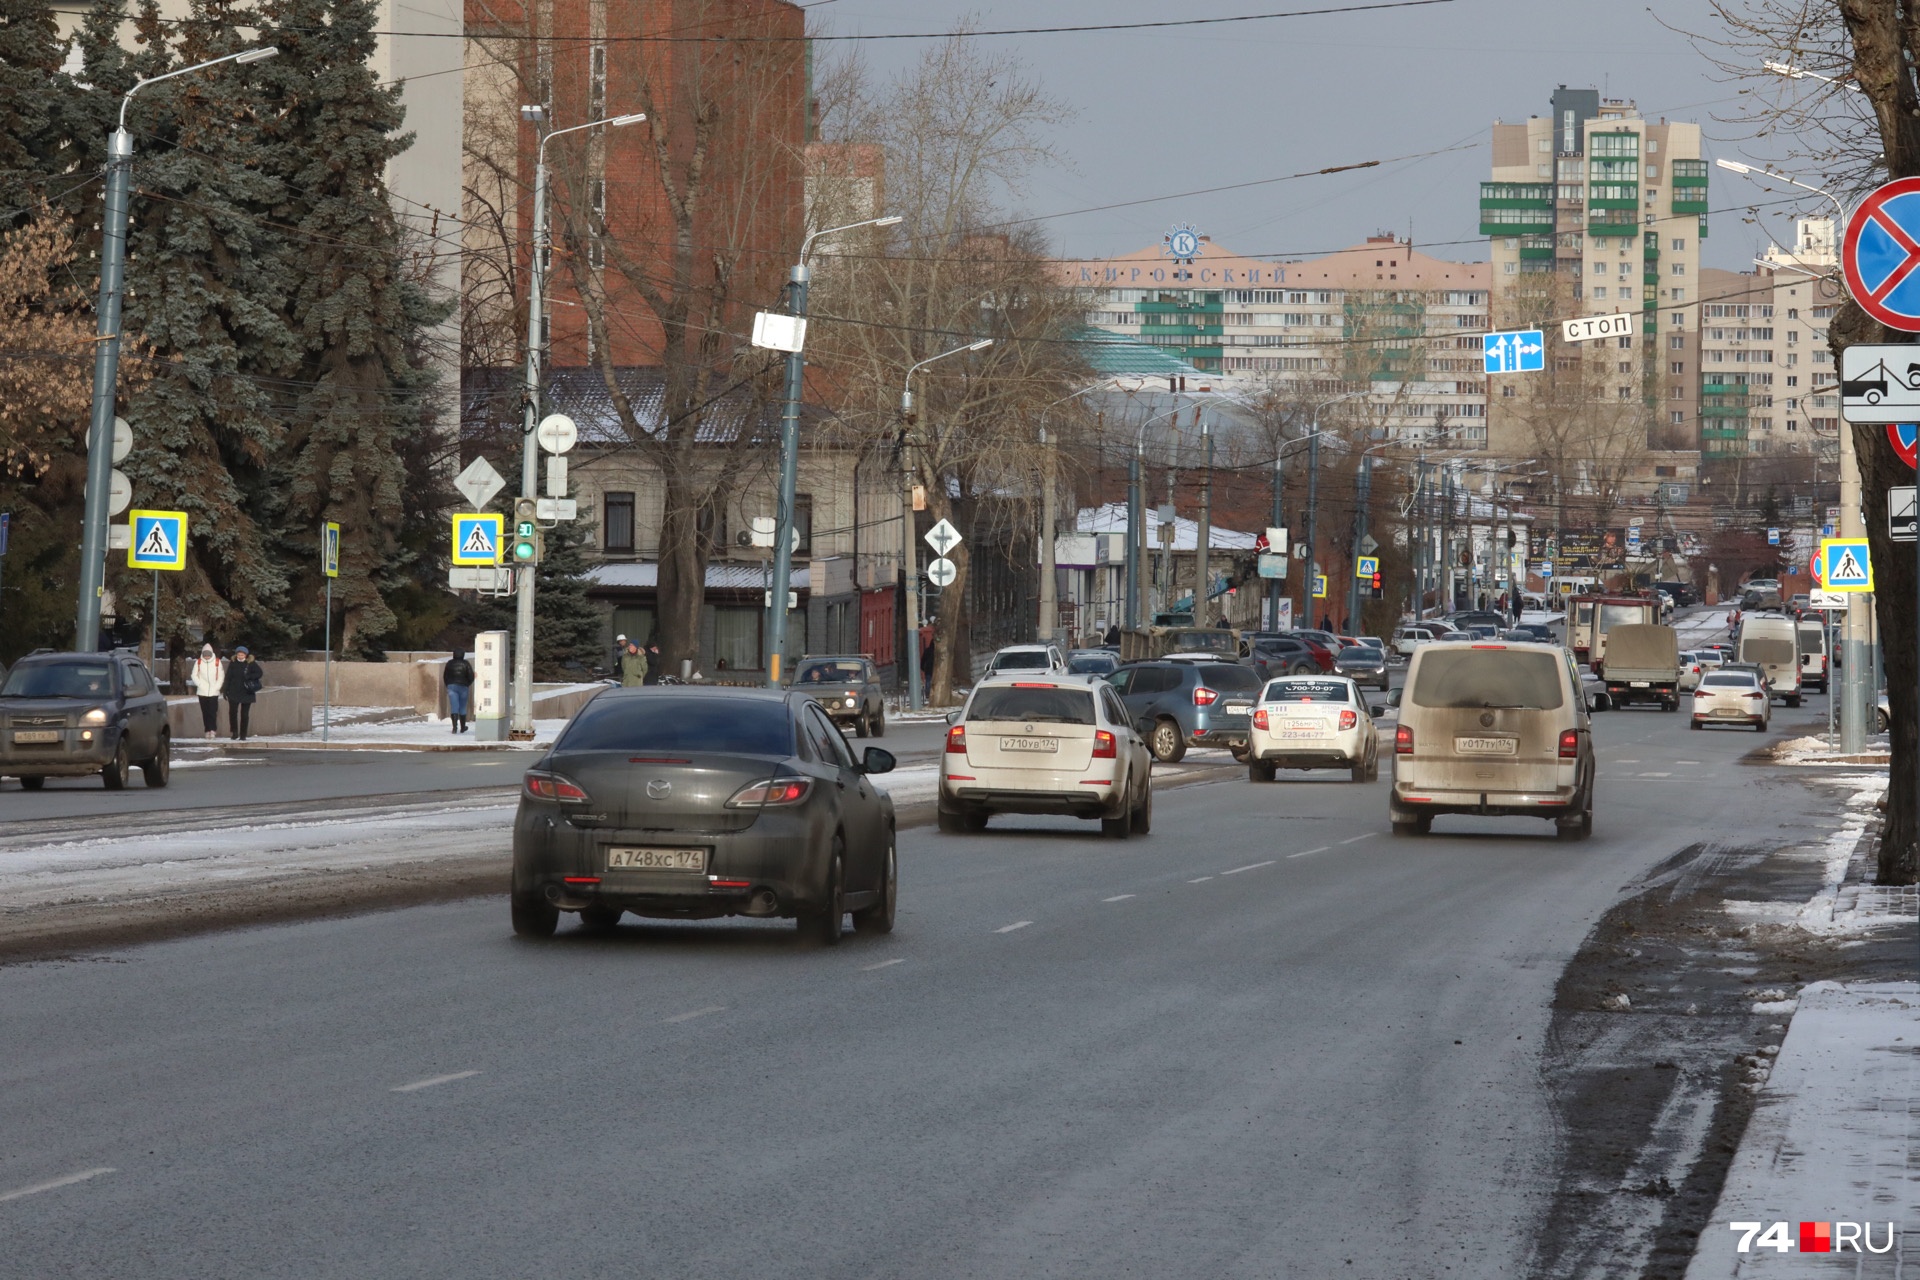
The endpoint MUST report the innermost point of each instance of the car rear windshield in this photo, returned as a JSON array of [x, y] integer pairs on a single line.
[[1358, 653], [59, 680], [665, 723], [1027, 661], [1732, 680], [1305, 691], [830, 673], [1230, 679], [1051, 706], [1487, 678], [1768, 651], [1092, 663], [1812, 640]]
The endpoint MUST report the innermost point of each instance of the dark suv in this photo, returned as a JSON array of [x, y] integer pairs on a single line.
[[847, 689], [1190, 703], [65, 715]]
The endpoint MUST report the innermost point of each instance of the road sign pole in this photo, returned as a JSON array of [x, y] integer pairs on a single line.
[[326, 679], [153, 624], [521, 724], [106, 373], [1359, 540], [789, 482]]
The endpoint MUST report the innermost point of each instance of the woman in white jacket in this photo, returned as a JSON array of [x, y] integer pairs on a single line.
[[209, 674]]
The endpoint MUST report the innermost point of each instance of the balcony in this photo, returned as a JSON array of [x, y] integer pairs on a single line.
[[1690, 201], [1689, 173], [1613, 224]]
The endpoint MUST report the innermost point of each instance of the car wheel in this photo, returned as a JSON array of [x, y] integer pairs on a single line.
[[1168, 743], [1879, 718], [974, 820], [534, 916], [1373, 769], [880, 723], [1358, 773], [1303, 669], [599, 919], [1142, 815], [1260, 771], [950, 823], [1117, 828], [114, 772], [860, 726], [878, 918], [32, 784], [822, 924], [1697, 724], [1759, 726], [1419, 825], [160, 768], [1794, 701]]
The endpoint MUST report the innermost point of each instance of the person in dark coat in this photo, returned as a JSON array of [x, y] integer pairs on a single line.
[[653, 662], [240, 688], [457, 676]]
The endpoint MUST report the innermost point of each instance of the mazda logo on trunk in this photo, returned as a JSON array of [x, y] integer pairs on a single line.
[[659, 789]]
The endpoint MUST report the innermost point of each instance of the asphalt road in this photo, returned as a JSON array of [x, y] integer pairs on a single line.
[[1269, 1040]]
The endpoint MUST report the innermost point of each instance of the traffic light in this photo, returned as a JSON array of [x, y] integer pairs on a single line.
[[528, 545], [1374, 586]]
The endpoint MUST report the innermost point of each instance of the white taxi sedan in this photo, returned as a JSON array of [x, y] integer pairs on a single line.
[[1731, 697], [1313, 722]]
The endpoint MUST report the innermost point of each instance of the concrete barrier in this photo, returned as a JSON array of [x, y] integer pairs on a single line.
[[279, 709], [404, 680]]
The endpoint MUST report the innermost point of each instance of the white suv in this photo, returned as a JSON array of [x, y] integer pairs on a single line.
[[1027, 657], [1034, 742]]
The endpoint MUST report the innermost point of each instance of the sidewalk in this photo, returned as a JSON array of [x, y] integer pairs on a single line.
[[1835, 1139]]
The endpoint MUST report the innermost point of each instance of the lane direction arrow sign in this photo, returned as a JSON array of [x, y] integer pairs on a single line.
[[1515, 351], [943, 537]]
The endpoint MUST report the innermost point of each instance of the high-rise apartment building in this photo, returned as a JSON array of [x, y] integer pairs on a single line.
[[1378, 322], [1594, 210]]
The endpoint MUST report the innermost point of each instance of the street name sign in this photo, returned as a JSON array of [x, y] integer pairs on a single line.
[[942, 572], [1900, 514], [1515, 351], [943, 537], [159, 540], [478, 537], [330, 549], [479, 482], [1845, 565], [1880, 383], [1587, 328], [1880, 256]]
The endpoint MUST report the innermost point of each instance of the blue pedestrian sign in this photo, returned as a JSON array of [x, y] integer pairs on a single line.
[[477, 538], [1516, 351], [1773, 537], [1846, 565], [159, 540]]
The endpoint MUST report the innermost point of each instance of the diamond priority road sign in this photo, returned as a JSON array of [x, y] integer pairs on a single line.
[[1515, 351], [1880, 255], [1845, 565], [159, 540], [943, 537]]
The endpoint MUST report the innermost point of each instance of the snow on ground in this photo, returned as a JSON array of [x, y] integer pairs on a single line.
[[1845, 904], [1815, 749], [396, 728]]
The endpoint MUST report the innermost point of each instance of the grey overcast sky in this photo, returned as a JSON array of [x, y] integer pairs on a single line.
[[1166, 111]]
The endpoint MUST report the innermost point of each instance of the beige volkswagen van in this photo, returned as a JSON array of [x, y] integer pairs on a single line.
[[1493, 730]]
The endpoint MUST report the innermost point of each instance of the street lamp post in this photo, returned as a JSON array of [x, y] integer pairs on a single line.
[[798, 280], [106, 355], [521, 727], [909, 557]]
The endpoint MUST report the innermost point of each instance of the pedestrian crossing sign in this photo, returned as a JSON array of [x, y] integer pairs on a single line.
[[477, 538], [1365, 566], [330, 549], [159, 540], [1845, 564]]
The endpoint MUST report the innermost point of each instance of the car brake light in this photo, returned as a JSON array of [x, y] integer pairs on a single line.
[[1204, 697], [1348, 719], [1260, 718], [1489, 646], [551, 786], [1569, 744], [957, 740], [773, 793], [1105, 747], [1403, 741], [1033, 684]]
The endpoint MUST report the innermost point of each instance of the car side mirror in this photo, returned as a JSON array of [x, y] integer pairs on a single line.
[[1376, 711], [1393, 698], [877, 760], [953, 717], [1144, 726], [1601, 702]]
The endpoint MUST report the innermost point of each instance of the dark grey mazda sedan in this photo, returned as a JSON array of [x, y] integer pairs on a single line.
[[690, 804]]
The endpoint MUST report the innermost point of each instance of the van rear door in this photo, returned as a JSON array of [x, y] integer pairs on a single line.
[[1486, 718]]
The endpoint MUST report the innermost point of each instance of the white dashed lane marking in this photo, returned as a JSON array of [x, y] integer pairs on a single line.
[[1199, 879], [869, 968], [1118, 897], [431, 1081], [1356, 839], [1254, 866], [54, 1184], [1653, 775], [697, 1013], [1017, 924], [1308, 853]]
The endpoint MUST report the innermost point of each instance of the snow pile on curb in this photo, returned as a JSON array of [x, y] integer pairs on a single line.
[[1839, 908], [1814, 749]]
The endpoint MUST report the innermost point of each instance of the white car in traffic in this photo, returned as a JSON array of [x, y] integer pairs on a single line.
[[1731, 697], [1313, 722]]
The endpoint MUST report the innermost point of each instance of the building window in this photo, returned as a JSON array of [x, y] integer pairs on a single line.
[[1793, 379], [1600, 293], [1626, 366], [736, 636], [597, 227], [1626, 344], [1679, 245], [1676, 343], [596, 82], [1678, 366], [1679, 295], [1626, 393], [616, 526], [803, 522], [1679, 268], [1677, 417]]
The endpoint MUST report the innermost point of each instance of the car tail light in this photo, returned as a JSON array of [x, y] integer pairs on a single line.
[[957, 740], [773, 793], [1204, 697], [1105, 747], [1761, 696], [1403, 741], [1260, 718], [551, 786], [1569, 744], [1348, 719]]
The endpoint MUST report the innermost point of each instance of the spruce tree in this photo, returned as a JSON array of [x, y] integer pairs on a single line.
[[359, 392], [566, 625], [35, 142]]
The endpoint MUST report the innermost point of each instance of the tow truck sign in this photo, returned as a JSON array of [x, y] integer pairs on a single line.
[[1880, 384]]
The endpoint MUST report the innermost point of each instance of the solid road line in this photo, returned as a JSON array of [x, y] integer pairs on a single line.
[[1017, 924], [431, 1081], [697, 1013], [54, 1184], [1308, 853]]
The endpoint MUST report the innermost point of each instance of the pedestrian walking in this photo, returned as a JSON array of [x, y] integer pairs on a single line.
[[457, 676], [652, 654], [209, 675], [619, 652], [633, 667], [926, 662], [240, 686]]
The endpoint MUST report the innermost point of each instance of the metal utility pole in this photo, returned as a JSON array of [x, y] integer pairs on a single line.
[[106, 356], [1136, 537], [1313, 517], [521, 724], [1049, 587], [1364, 495], [909, 579], [1277, 520], [797, 281], [1202, 583]]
